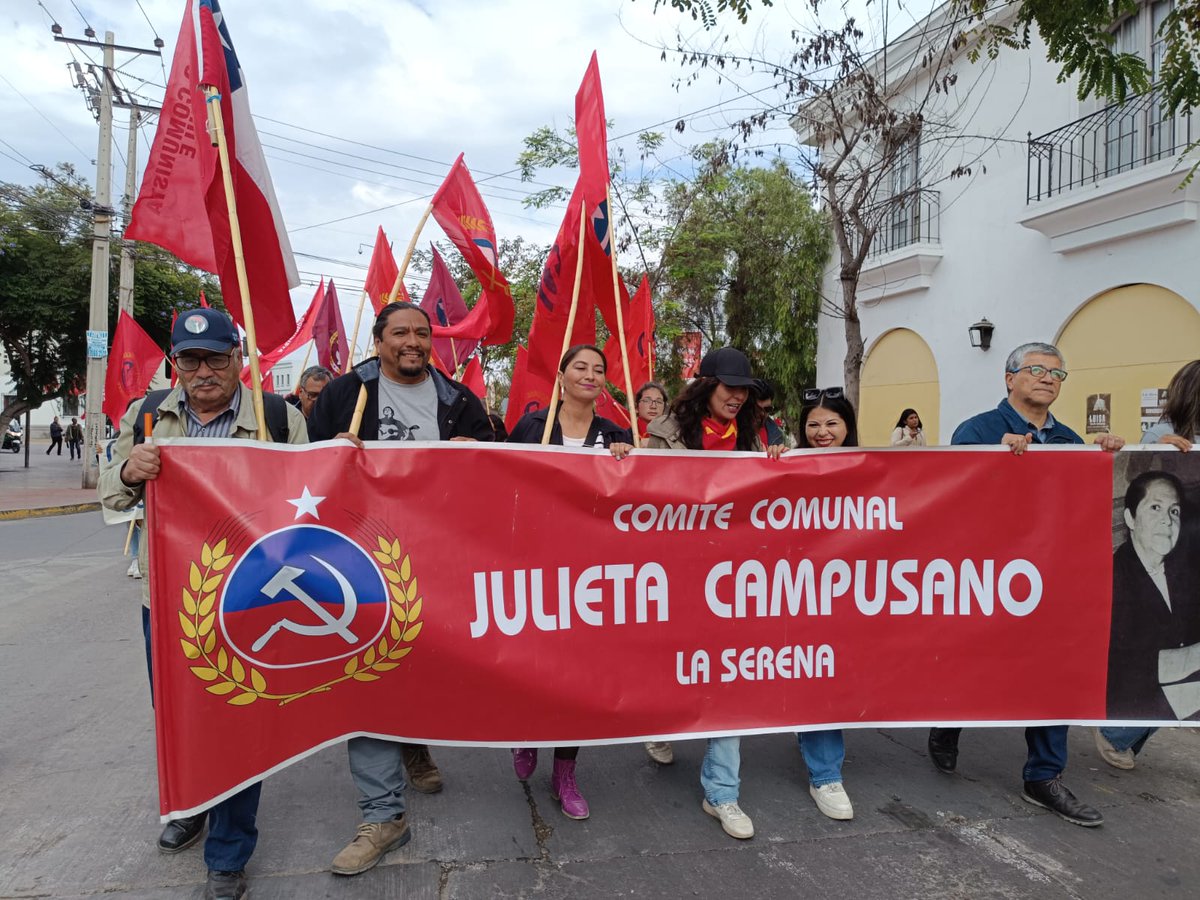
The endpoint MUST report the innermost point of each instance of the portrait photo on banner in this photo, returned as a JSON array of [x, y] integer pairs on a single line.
[[1154, 648]]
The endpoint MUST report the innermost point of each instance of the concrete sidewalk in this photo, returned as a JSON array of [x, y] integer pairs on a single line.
[[50, 486]]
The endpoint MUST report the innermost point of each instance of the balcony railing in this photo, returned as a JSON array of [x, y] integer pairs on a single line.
[[1115, 139], [913, 217]]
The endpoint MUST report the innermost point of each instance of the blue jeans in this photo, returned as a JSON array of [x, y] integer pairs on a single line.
[[1128, 738], [378, 770], [719, 771], [824, 752], [232, 832], [1047, 752]]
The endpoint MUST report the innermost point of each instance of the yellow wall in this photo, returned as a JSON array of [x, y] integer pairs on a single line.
[[1120, 342], [899, 372]]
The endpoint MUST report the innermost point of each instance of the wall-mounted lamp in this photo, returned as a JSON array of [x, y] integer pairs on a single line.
[[981, 334]]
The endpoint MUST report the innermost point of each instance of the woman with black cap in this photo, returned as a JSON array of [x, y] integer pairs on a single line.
[[717, 412]]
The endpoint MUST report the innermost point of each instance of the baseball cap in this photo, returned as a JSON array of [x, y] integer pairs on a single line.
[[727, 365], [203, 329]]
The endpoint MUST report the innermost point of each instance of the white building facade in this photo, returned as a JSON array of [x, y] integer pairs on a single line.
[[1071, 227]]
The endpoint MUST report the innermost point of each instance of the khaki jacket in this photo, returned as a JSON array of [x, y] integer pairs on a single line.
[[663, 434], [116, 494]]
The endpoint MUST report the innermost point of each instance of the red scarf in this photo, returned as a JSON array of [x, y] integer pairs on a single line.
[[717, 436]]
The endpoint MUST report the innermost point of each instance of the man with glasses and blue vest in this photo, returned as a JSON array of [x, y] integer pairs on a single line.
[[1033, 374]]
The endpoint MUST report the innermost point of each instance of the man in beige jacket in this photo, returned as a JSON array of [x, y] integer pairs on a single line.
[[209, 402]]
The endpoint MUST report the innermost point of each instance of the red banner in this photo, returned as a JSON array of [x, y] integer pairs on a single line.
[[693, 593]]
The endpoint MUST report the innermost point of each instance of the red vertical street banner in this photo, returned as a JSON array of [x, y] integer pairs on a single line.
[[132, 363], [182, 205], [689, 354], [694, 593], [381, 273]]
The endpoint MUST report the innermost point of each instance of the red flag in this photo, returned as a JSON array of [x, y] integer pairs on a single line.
[[689, 349], [204, 301], [381, 273], [333, 351], [591, 132], [527, 392], [444, 303], [607, 406], [301, 336], [132, 364], [460, 210], [184, 187], [473, 378], [639, 339]]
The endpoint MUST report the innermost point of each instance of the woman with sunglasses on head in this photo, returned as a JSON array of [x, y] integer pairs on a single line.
[[582, 374], [908, 431], [716, 412], [827, 420], [652, 400]]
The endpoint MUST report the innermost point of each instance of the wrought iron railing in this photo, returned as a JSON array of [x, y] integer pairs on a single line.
[[1115, 139], [913, 217]]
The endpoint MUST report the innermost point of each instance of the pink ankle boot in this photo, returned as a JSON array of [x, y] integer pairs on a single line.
[[564, 788], [524, 762]]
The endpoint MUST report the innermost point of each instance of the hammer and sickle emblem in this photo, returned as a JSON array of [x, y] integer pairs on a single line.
[[285, 580]]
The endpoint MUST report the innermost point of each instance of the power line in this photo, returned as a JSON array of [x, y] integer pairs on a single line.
[[32, 105]]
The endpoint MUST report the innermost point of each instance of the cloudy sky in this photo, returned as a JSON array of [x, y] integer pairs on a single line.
[[362, 105]]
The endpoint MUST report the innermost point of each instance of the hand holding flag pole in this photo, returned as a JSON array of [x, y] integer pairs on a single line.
[[612, 254], [552, 410], [361, 405], [216, 127]]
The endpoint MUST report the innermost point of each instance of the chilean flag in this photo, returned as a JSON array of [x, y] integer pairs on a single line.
[[184, 187]]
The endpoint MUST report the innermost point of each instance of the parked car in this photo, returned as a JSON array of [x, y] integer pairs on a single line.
[[12, 437]]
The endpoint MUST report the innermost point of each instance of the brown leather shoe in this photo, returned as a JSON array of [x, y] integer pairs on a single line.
[[371, 842], [423, 774]]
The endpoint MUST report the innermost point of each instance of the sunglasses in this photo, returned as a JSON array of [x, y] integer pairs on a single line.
[[812, 395], [1039, 371]]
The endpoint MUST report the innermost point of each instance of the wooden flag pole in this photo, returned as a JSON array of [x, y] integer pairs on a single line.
[[612, 254], [362, 302], [360, 405], [307, 354], [552, 411], [216, 125]]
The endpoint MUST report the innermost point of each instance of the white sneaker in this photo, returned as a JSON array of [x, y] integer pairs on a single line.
[[832, 800], [661, 752], [735, 822], [133, 567], [135, 570], [1118, 759]]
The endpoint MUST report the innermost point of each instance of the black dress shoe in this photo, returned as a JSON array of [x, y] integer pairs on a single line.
[[943, 748], [181, 834], [225, 886], [1054, 796]]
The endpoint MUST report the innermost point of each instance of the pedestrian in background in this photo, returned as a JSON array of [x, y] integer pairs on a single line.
[[56, 437], [909, 430], [75, 439]]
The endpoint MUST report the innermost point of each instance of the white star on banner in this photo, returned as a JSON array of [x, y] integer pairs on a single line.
[[306, 504]]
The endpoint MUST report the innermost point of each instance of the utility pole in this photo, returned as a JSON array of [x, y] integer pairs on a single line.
[[125, 288], [97, 334]]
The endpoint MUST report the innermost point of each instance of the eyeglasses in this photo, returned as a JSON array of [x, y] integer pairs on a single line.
[[215, 361], [650, 401], [813, 395], [1039, 371]]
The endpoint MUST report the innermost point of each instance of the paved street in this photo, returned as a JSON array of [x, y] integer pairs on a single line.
[[77, 778]]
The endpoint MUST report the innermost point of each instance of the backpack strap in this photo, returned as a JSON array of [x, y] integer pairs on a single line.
[[274, 406]]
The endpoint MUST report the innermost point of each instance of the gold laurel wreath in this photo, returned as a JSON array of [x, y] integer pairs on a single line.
[[227, 673]]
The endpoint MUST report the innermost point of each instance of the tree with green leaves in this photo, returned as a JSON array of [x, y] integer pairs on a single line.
[[45, 286]]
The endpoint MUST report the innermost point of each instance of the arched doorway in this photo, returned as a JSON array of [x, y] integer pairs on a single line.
[[899, 372], [1120, 343]]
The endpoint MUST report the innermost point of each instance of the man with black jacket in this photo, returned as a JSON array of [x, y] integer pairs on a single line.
[[407, 400]]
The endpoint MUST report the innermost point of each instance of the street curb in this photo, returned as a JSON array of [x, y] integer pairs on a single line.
[[10, 515]]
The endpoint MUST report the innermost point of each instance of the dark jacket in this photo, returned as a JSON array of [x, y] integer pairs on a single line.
[[601, 433], [459, 412]]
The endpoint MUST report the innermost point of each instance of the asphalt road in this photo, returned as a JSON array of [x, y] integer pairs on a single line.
[[78, 796]]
